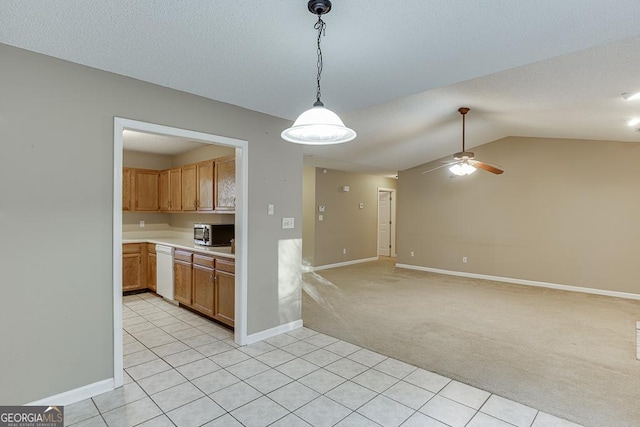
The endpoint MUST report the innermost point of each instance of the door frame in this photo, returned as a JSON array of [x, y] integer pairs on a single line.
[[241, 226], [392, 231]]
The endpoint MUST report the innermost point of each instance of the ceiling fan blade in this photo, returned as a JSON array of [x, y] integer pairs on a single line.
[[438, 167], [486, 166]]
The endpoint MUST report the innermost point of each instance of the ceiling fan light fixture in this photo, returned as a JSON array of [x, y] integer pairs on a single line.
[[318, 125], [630, 96], [462, 169]]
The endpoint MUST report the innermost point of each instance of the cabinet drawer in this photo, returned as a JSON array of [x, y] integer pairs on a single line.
[[225, 264], [131, 248], [151, 248], [182, 255], [204, 260]]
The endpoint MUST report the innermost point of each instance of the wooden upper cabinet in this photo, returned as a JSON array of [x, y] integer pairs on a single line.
[[189, 188], [127, 195], [146, 190], [205, 185], [175, 189], [170, 193], [225, 183], [164, 196]]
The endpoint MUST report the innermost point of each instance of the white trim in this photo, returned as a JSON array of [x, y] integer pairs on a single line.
[[77, 394], [524, 282], [242, 224], [341, 264], [118, 358], [268, 333]]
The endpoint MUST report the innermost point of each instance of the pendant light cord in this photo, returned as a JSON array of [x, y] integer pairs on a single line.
[[320, 26]]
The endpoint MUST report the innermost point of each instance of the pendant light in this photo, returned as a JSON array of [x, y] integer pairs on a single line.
[[318, 125]]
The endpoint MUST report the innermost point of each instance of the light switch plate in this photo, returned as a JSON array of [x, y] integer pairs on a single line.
[[270, 209], [287, 223], [320, 217], [321, 208]]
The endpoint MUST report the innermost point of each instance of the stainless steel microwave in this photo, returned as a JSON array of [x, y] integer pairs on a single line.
[[213, 234]]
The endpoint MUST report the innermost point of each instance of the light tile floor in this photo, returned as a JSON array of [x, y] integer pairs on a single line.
[[183, 370]]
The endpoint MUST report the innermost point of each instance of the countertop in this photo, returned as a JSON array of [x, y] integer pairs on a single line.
[[181, 243]]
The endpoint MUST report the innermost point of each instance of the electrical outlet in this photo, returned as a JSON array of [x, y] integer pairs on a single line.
[[287, 223], [344, 251], [141, 224], [361, 205], [464, 259], [413, 253], [321, 208], [320, 217]]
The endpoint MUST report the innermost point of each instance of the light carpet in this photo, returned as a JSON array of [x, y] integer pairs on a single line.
[[566, 353]]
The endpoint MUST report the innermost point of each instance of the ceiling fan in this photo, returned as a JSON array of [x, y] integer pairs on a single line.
[[463, 163]]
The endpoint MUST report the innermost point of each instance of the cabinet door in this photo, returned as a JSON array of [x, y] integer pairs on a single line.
[[189, 188], [182, 282], [203, 289], [151, 272], [175, 190], [131, 271], [225, 183], [146, 190], [127, 196], [164, 194], [133, 266], [225, 297], [205, 186]]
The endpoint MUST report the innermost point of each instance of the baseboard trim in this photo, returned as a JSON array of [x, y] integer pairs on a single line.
[[343, 264], [268, 333], [524, 282], [77, 394]]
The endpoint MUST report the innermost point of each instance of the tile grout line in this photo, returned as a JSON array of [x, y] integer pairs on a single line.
[[301, 337]]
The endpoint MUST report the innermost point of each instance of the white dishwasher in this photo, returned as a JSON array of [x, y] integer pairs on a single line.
[[164, 271]]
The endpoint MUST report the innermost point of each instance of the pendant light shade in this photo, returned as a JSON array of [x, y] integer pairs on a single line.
[[318, 125]]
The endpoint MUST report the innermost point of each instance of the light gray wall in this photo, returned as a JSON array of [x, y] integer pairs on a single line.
[[140, 160], [56, 125], [564, 211], [345, 225], [209, 151]]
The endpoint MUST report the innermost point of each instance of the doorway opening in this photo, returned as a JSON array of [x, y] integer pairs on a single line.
[[241, 225], [386, 222]]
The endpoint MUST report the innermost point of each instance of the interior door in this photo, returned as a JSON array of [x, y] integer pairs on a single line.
[[384, 223]]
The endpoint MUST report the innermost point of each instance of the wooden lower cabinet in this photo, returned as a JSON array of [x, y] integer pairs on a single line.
[[225, 297], [182, 277], [203, 279], [200, 285], [134, 265]]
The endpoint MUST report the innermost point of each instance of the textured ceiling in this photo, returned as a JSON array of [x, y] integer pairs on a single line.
[[395, 71]]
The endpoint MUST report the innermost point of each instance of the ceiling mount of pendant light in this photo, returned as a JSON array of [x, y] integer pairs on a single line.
[[318, 125]]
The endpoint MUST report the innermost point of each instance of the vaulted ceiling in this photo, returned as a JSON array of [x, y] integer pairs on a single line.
[[395, 71]]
